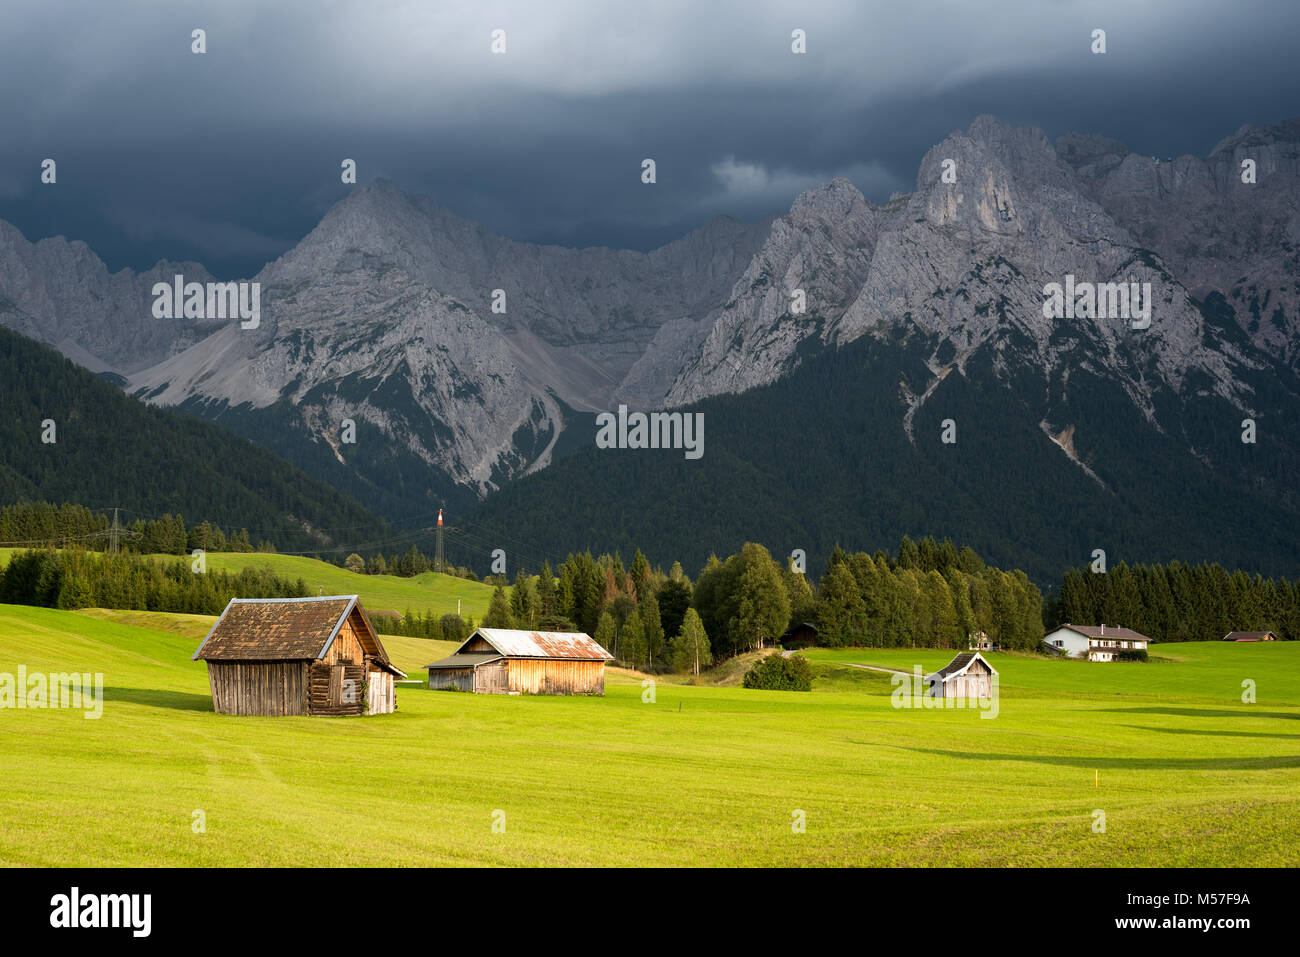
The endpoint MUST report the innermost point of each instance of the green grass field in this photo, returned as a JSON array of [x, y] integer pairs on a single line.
[[378, 592], [1185, 773]]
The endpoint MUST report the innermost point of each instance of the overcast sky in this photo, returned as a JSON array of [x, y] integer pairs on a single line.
[[230, 157]]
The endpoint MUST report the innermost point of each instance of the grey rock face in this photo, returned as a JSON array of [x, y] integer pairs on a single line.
[[1214, 231], [61, 292], [383, 313], [386, 308], [964, 263]]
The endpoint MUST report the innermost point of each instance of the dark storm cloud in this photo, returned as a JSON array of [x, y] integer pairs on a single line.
[[229, 158]]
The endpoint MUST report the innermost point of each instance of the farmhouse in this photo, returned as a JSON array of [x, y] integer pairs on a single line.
[[966, 676], [276, 656], [509, 661], [1250, 636], [1094, 642], [980, 641]]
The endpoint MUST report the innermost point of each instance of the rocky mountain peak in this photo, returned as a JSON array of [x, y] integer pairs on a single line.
[[385, 310]]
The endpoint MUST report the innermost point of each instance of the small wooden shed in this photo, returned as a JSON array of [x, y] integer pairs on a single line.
[[511, 661], [306, 656], [966, 676]]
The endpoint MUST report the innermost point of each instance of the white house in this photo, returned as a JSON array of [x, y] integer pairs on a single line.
[[1094, 642]]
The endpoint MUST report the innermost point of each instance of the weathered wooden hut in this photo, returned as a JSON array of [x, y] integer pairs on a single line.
[[509, 661], [319, 656], [966, 676]]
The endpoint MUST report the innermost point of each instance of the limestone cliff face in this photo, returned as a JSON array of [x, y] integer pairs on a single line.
[[62, 293], [963, 264], [1214, 231], [383, 313]]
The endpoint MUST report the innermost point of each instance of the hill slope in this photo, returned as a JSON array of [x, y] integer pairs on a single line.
[[429, 590], [113, 450]]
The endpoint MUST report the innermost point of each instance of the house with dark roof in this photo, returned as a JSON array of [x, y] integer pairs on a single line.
[[298, 656], [1250, 636], [802, 635], [1095, 642], [966, 676], [513, 661]]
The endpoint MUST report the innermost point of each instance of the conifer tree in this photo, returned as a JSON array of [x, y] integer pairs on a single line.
[[498, 615], [690, 648]]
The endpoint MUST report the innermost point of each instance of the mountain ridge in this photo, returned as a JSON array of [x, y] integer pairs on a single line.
[[383, 315]]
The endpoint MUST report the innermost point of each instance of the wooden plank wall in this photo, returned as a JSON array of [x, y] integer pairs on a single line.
[[442, 678], [380, 695], [969, 686], [326, 686], [478, 643], [346, 646], [552, 676], [492, 678], [258, 687]]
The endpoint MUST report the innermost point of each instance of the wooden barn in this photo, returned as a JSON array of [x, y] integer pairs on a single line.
[[318, 656], [1250, 636], [509, 661], [966, 676]]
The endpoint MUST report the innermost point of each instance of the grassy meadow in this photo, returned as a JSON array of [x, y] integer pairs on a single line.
[[706, 774]]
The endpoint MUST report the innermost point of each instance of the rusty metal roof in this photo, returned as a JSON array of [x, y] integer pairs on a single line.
[[286, 629], [514, 643]]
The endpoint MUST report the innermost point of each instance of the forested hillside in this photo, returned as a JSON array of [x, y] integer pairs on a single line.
[[823, 457], [69, 436]]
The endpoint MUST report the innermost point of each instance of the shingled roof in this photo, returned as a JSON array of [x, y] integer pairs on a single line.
[[1107, 631], [286, 629], [959, 664]]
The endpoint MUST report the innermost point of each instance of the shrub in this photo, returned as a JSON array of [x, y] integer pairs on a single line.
[[1131, 654], [779, 673]]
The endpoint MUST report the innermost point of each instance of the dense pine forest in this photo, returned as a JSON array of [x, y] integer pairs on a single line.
[[70, 436], [822, 456], [67, 525], [79, 579], [1178, 602], [43, 524], [927, 594]]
